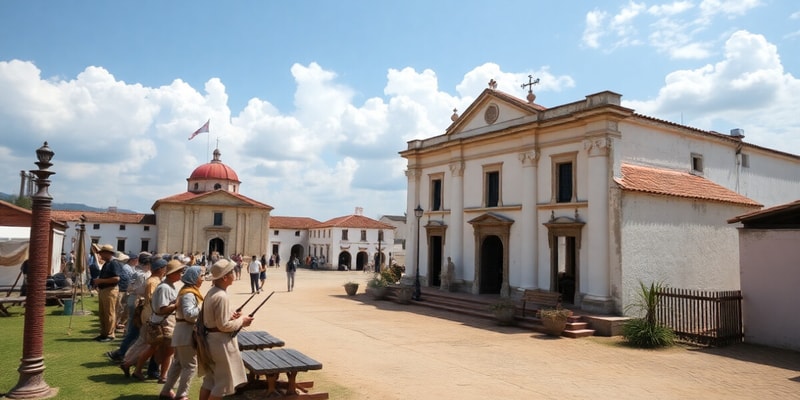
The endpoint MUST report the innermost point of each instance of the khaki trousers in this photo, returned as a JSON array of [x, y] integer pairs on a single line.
[[108, 310]]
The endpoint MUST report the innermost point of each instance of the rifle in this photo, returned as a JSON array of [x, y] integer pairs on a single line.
[[246, 301], [254, 312]]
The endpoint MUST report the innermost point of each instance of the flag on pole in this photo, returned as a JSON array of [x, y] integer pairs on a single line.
[[202, 129]]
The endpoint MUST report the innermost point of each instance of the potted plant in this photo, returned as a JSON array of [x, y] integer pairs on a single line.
[[504, 311], [378, 285], [554, 320], [351, 288]]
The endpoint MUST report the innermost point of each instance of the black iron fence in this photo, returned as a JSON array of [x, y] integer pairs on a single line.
[[702, 317]]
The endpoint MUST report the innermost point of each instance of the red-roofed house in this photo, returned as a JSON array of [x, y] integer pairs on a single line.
[[587, 198]]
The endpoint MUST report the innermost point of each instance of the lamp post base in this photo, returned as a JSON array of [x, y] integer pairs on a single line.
[[31, 384], [417, 296]]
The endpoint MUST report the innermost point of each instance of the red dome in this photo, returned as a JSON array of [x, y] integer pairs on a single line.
[[214, 170]]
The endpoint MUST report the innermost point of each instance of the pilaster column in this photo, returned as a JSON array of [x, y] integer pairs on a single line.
[[529, 240], [455, 239], [595, 270], [412, 200]]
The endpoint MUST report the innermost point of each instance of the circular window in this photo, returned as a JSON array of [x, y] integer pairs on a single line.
[[491, 114]]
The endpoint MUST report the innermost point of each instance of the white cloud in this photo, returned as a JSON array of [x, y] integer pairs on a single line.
[[670, 9], [594, 30], [747, 89]]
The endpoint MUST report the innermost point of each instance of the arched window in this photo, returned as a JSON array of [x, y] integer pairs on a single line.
[[217, 186]]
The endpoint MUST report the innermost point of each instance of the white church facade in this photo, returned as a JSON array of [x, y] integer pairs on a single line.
[[587, 198]]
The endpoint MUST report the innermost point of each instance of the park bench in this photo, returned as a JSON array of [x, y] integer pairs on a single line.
[[540, 297], [257, 340], [272, 363], [9, 300]]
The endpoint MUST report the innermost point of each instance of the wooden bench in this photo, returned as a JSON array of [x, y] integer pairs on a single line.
[[272, 363], [9, 300], [540, 297], [257, 340]]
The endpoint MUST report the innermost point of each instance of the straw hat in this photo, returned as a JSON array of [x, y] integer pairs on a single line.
[[120, 256], [174, 266], [221, 268], [106, 248]]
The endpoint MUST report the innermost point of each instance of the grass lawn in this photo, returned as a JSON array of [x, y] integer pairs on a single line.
[[74, 363]]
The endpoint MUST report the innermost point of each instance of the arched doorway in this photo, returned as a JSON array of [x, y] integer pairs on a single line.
[[297, 251], [344, 261], [362, 259], [491, 265], [492, 234], [216, 245]]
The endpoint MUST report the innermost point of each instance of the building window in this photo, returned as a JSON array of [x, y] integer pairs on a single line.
[[380, 236], [217, 186], [275, 233], [344, 234], [95, 240], [217, 219], [147, 228], [122, 227], [196, 186], [745, 160], [297, 233], [436, 192], [363, 235], [563, 177], [95, 226], [697, 163], [145, 244], [121, 245], [491, 186]]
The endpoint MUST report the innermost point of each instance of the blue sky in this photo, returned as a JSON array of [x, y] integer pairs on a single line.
[[312, 100]]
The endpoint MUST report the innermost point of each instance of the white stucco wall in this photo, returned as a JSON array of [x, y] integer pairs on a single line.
[[109, 233], [770, 276], [681, 243]]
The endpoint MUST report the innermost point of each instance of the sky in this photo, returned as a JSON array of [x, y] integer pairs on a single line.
[[311, 101]]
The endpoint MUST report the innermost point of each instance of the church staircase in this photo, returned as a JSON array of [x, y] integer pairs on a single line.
[[478, 306]]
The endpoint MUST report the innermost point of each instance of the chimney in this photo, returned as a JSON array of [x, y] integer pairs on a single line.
[[359, 211]]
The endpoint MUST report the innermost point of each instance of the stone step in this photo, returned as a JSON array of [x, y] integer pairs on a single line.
[[577, 325], [578, 333]]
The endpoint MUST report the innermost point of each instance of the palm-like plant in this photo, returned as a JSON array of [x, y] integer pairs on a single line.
[[647, 332]]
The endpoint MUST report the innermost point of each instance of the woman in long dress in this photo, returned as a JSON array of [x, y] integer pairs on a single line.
[[226, 370]]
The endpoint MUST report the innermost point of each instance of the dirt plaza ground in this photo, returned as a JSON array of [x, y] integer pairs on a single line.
[[382, 350]]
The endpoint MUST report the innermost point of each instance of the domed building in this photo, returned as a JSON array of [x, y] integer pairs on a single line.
[[212, 216]]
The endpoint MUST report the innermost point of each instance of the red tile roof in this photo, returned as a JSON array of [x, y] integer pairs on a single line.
[[276, 222], [675, 183], [100, 217], [354, 221], [187, 196]]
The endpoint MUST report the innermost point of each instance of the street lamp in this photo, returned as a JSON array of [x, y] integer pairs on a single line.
[[417, 290], [31, 382], [378, 257]]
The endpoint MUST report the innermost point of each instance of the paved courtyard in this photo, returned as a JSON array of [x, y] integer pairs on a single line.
[[382, 350]]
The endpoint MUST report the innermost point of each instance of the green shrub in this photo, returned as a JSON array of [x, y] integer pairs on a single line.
[[647, 332]]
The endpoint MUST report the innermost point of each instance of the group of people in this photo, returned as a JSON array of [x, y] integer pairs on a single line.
[[161, 322]]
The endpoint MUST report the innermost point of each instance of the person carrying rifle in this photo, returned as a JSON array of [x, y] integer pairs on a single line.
[[225, 370]]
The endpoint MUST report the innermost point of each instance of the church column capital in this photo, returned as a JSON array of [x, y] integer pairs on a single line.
[[529, 158], [457, 168], [599, 146]]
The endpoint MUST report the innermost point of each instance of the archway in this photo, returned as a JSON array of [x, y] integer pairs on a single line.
[[564, 238], [344, 261], [491, 265], [297, 251], [362, 259]]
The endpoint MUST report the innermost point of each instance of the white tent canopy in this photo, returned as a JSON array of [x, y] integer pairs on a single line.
[[14, 249]]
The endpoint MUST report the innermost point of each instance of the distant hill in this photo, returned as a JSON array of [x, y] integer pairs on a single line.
[[67, 206]]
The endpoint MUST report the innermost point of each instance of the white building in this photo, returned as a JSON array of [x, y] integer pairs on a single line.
[[587, 198], [127, 232]]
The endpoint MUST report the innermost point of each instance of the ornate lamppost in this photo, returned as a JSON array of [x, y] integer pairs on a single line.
[[379, 256], [417, 290], [31, 382]]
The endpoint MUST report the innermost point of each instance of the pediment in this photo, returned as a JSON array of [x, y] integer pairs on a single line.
[[490, 218], [493, 108], [219, 198]]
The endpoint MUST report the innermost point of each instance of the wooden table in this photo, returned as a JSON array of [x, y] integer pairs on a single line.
[[272, 363], [257, 340]]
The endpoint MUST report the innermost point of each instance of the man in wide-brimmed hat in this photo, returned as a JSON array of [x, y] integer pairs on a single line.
[[225, 371], [107, 285]]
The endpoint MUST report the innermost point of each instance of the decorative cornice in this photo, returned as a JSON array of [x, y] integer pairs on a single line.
[[598, 146]]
